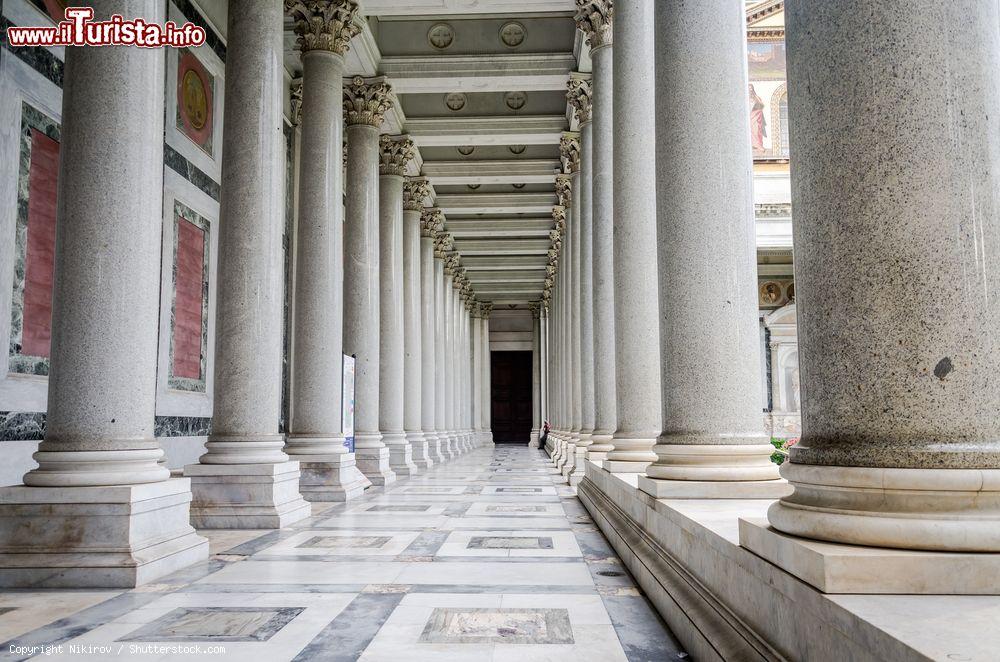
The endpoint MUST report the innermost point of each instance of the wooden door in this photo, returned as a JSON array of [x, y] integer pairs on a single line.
[[510, 407]]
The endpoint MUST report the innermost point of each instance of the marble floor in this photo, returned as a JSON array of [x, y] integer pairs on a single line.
[[487, 557]]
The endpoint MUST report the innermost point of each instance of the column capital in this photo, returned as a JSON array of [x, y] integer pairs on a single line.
[[415, 191], [559, 216], [555, 236], [535, 308], [431, 222], [579, 92], [296, 101], [569, 151], [564, 190], [366, 100], [323, 25], [553, 254], [442, 244], [595, 19], [486, 308], [394, 153], [476, 310]]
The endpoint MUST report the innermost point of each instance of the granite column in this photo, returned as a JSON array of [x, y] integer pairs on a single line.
[[713, 442], [429, 222], [415, 191], [536, 377], [99, 510], [245, 480], [315, 437], [637, 342], [365, 104], [395, 152], [900, 441]]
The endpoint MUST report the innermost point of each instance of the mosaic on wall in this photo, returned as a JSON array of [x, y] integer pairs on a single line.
[[195, 99], [189, 305], [34, 244], [767, 97]]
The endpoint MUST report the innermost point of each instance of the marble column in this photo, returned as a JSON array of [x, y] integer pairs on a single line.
[[543, 363], [415, 191], [579, 95], [81, 517], [713, 442], [455, 365], [637, 318], [365, 104], [477, 371], [440, 364], [900, 431], [429, 222], [245, 480], [447, 357], [315, 437], [556, 258], [564, 283], [395, 152], [536, 377], [486, 309], [595, 20], [575, 225]]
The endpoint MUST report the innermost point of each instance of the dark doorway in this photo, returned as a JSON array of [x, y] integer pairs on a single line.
[[510, 406]]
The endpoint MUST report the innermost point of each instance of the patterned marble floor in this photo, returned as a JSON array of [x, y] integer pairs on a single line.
[[487, 557]]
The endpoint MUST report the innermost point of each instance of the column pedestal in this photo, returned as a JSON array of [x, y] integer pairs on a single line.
[[331, 478], [96, 537], [246, 496]]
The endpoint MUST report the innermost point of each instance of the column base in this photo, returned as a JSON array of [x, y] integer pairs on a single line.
[[246, 496], [836, 568], [374, 464], [717, 489], [533, 439], [330, 477], [714, 462], [400, 454], [96, 537], [437, 448], [487, 437], [624, 467], [947, 510], [420, 449]]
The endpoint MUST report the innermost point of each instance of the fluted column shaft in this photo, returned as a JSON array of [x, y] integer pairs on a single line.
[[637, 345], [900, 431]]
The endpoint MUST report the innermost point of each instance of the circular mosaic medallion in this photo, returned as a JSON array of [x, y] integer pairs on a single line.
[[512, 34], [770, 292], [441, 36], [465, 150], [517, 149], [194, 99]]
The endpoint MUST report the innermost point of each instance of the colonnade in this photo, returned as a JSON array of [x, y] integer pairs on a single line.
[[376, 276], [897, 220]]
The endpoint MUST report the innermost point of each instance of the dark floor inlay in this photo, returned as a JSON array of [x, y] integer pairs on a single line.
[[340, 542], [509, 542], [216, 624], [483, 625]]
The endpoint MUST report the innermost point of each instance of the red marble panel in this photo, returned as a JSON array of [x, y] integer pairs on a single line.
[[36, 333], [188, 311]]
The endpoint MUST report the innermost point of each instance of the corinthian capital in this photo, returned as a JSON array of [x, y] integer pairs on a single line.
[[564, 190], [415, 191], [394, 152], [431, 221], [579, 92], [559, 216], [569, 151], [594, 18], [486, 308], [366, 100], [323, 25], [535, 308]]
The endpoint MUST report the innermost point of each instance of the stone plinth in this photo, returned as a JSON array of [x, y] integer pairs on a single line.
[[246, 496], [331, 478], [96, 537]]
